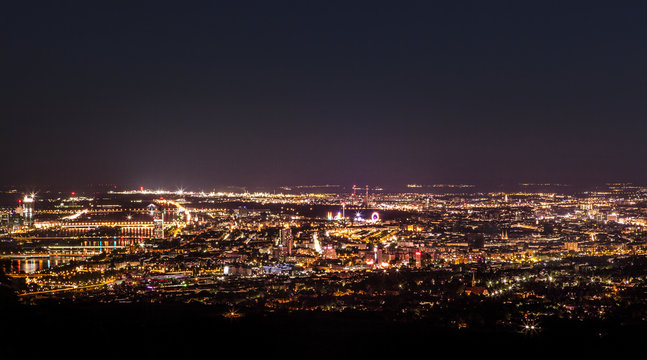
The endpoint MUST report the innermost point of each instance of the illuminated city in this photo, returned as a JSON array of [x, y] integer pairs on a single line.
[[410, 256], [338, 180]]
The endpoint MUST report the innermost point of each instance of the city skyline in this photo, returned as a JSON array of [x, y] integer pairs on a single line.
[[496, 269], [332, 179]]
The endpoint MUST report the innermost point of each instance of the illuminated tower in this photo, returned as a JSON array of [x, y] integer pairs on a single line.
[[28, 209], [287, 240], [158, 222], [366, 199], [377, 256], [158, 226], [315, 243]]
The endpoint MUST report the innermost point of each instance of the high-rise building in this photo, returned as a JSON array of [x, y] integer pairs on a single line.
[[11, 220], [158, 224], [418, 258], [158, 228], [316, 245], [286, 239], [366, 200], [377, 256], [28, 210]]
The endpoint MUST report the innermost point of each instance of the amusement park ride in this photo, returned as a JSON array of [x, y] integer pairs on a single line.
[[365, 204]]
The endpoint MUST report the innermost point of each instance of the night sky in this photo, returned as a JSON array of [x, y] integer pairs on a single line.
[[314, 92]]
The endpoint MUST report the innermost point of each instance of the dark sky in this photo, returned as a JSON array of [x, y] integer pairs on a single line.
[[314, 92]]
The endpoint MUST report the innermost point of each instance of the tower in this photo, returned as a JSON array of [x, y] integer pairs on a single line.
[[366, 199], [158, 228], [28, 210], [286, 239], [377, 253], [315, 243], [158, 222]]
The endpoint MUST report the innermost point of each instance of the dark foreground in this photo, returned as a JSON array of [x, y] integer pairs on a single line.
[[149, 331]]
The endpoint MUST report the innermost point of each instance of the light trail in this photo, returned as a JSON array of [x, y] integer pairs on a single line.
[[75, 216]]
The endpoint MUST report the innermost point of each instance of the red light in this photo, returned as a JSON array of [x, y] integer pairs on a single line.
[[19, 201], [418, 253], [73, 193]]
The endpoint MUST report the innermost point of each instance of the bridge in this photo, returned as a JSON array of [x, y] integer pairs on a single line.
[[65, 250], [70, 222], [83, 247], [94, 225], [45, 255]]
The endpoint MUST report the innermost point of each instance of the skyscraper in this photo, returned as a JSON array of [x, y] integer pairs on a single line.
[[28, 210], [315, 243], [286, 239], [158, 223], [366, 201]]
